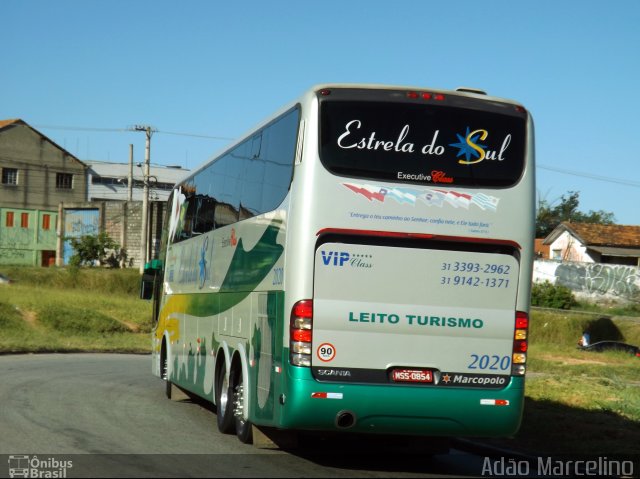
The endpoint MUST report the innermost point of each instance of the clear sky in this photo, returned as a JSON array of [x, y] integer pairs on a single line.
[[82, 72]]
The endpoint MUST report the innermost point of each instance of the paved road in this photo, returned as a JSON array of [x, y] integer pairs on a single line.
[[108, 415]]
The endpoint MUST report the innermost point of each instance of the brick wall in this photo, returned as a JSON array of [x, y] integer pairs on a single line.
[[123, 222]]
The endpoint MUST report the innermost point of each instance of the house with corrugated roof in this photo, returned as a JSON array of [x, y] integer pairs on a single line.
[[36, 176], [595, 243], [109, 181]]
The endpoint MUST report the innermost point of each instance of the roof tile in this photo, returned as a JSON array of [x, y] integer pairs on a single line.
[[606, 235]]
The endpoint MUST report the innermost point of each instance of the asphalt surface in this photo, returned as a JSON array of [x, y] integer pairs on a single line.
[[105, 415]]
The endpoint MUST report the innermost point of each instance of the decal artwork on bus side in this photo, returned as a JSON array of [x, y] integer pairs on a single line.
[[430, 197]]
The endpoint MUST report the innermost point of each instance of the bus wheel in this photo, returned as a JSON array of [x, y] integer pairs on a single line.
[[224, 412], [244, 429]]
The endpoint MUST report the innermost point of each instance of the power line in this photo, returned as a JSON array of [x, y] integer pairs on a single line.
[[125, 130], [606, 179], [226, 138], [80, 128]]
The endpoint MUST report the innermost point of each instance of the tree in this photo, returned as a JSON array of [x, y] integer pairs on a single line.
[[90, 249], [548, 217]]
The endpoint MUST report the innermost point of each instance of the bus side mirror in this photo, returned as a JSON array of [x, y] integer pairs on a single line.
[[146, 286], [151, 272]]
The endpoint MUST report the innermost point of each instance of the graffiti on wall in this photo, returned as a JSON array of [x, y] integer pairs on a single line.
[[47, 238], [617, 280], [78, 223], [17, 237], [15, 256]]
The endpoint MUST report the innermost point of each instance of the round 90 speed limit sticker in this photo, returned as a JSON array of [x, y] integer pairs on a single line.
[[326, 352]]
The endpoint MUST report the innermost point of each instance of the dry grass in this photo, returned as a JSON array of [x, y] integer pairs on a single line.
[[35, 318], [579, 402]]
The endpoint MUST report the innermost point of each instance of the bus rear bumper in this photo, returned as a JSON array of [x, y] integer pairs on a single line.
[[401, 409]]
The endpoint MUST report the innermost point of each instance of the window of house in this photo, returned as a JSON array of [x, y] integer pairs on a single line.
[[9, 176], [46, 222], [24, 220], [64, 181], [557, 254], [9, 219]]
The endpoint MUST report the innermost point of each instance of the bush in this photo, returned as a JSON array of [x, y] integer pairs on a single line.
[[549, 295], [92, 249]]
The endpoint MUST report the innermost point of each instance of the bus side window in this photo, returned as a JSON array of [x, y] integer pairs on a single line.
[[190, 206], [204, 216], [256, 146], [278, 154]]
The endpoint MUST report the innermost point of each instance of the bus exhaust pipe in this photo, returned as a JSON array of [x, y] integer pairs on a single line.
[[345, 420]]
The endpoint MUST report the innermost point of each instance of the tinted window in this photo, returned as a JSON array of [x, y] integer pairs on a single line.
[[187, 212], [204, 202], [419, 143], [277, 153], [249, 180], [205, 207], [253, 180], [232, 183]]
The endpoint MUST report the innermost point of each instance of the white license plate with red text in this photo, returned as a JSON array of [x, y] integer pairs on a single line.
[[412, 376]]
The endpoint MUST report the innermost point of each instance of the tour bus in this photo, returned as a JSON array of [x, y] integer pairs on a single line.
[[359, 262]]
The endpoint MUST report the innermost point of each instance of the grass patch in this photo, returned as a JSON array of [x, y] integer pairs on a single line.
[[579, 402], [10, 318], [630, 309], [53, 309], [113, 281], [563, 329], [590, 381], [73, 320]]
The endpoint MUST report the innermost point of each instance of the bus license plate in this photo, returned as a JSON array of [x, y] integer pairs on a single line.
[[412, 376]]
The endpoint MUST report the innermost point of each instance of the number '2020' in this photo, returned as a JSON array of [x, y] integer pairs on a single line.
[[493, 363]]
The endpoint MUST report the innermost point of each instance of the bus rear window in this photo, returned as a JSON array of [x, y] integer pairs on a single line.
[[422, 143]]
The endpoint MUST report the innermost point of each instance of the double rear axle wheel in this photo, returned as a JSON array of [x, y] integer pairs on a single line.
[[230, 406]]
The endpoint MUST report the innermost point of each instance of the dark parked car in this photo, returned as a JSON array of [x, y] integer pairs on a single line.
[[612, 346]]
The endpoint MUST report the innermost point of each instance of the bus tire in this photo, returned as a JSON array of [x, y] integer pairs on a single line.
[[244, 429], [224, 403], [164, 370]]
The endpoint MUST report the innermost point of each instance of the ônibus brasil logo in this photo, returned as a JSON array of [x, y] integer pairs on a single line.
[[32, 466]]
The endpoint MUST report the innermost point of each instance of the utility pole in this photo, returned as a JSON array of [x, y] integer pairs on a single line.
[[130, 179], [144, 238]]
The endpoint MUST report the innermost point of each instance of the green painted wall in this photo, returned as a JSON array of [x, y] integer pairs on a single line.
[[29, 243]]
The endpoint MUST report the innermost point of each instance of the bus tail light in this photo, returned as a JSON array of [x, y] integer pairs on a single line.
[[520, 344], [301, 333], [425, 95]]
